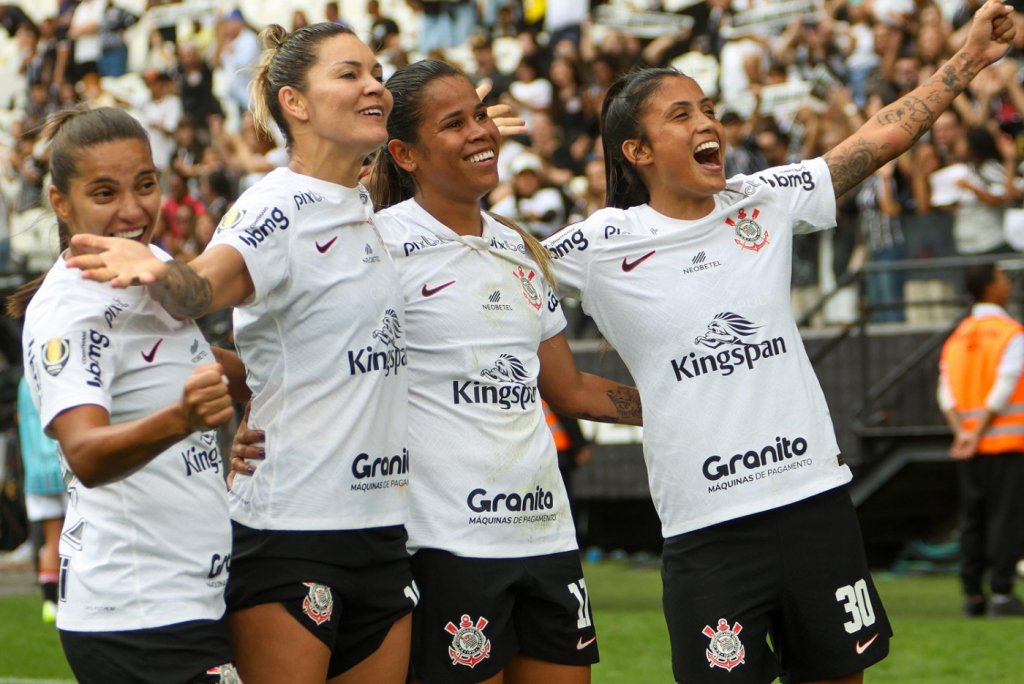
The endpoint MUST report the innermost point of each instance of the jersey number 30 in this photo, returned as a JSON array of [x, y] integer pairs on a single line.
[[857, 602]]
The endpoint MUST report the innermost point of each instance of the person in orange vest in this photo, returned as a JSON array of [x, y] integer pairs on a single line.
[[573, 451], [981, 394]]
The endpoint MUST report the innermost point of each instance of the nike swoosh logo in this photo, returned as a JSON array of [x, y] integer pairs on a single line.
[[627, 266], [581, 644], [427, 292], [863, 647], [152, 354], [323, 248]]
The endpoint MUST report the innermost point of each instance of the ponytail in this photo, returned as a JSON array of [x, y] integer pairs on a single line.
[[540, 254]]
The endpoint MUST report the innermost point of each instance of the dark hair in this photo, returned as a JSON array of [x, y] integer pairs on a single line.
[[978, 278], [285, 61], [389, 183], [981, 144], [219, 184], [621, 120], [72, 131]]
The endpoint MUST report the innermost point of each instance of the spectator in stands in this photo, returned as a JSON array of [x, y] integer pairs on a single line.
[[114, 53], [237, 51], [161, 113], [195, 85], [85, 32], [177, 197], [537, 209], [487, 69], [981, 394], [11, 17], [384, 30], [299, 20], [988, 187]]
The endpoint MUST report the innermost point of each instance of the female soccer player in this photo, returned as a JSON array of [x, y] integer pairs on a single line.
[[688, 276], [321, 585], [496, 560], [146, 545]]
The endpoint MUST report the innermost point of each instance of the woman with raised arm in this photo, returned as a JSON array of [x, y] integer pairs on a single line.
[[321, 586], [139, 601], [688, 276], [496, 560]]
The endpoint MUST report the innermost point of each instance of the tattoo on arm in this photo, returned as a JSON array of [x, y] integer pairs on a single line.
[[597, 419], [853, 162], [184, 293], [626, 401]]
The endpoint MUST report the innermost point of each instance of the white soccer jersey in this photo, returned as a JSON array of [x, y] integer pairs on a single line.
[[734, 418], [487, 483], [152, 548], [323, 341]]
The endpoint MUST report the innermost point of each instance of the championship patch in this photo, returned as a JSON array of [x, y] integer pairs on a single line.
[[55, 356], [469, 644], [529, 291], [224, 674], [725, 650], [319, 603], [749, 233], [231, 219]]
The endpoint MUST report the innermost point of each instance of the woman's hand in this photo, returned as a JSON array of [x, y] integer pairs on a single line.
[[205, 402], [247, 445], [991, 33], [120, 262], [500, 115]]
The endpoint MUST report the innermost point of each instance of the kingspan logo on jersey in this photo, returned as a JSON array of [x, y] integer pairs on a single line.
[[200, 459], [264, 226], [731, 334], [510, 391], [393, 357]]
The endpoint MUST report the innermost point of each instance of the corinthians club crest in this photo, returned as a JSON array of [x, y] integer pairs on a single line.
[[469, 645], [725, 650], [319, 603], [529, 291], [749, 233], [227, 674]]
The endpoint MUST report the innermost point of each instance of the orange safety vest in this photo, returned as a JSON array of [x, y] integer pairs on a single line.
[[562, 441], [971, 357]]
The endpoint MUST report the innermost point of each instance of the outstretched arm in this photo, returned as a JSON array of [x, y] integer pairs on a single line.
[[898, 126], [582, 395]]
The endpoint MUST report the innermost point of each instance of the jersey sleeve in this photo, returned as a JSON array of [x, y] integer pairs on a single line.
[[805, 191], [72, 364], [552, 319], [258, 229], [569, 260]]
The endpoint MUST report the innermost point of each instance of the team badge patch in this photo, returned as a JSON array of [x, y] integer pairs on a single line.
[[529, 291], [749, 233], [224, 674], [725, 650], [55, 356], [469, 645], [319, 603]]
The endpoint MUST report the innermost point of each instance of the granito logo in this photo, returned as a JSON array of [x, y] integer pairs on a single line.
[[423, 243], [93, 344], [303, 199], [727, 330], [363, 467], [754, 459], [793, 179], [256, 233], [511, 390], [537, 500], [390, 359], [562, 243]]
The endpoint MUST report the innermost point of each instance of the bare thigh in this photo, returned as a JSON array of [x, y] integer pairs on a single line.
[[270, 646], [389, 664], [524, 670]]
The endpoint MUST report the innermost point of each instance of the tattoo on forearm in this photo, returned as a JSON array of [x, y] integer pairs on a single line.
[[183, 293], [627, 402], [854, 163], [597, 419]]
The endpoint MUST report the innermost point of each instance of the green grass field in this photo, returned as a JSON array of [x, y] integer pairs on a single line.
[[933, 644]]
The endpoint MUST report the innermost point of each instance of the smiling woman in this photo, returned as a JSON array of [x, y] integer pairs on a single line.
[[320, 583], [106, 371]]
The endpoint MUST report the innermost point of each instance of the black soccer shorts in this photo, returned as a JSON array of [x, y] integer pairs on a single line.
[[346, 587], [796, 574], [476, 614], [196, 652]]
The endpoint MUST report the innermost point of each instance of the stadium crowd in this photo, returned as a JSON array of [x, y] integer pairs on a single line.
[[790, 80]]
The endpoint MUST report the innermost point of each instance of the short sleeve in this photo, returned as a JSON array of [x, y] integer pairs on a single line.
[[569, 250], [72, 365], [805, 191], [552, 319], [258, 230]]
